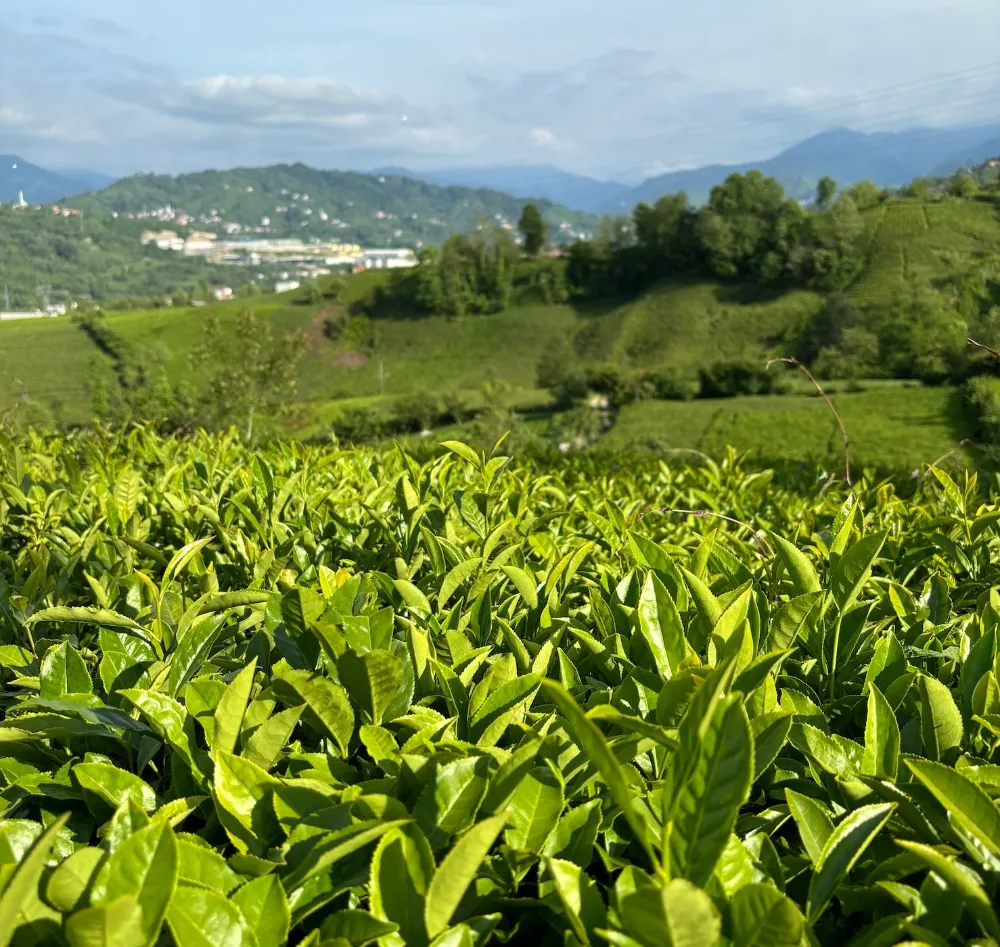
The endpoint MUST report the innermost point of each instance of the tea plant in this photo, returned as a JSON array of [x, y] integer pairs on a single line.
[[341, 697]]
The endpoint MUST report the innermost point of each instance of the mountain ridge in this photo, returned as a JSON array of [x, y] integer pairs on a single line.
[[299, 200], [40, 185], [887, 158], [527, 181]]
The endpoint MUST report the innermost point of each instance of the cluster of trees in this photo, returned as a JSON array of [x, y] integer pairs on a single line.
[[477, 273], [749, 231], [920, 333], [246, 377]]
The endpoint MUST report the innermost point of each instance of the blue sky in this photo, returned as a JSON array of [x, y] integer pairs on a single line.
[[616, 88]]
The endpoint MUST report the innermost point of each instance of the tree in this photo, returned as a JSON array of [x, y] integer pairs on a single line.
[[963, 186], [335, 288], [310, 294], [559, 371], [248, 373], [825, 190], [865, 194], [921, 189], [533, 230], [665, 234]]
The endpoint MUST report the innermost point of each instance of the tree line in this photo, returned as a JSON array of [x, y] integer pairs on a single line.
[[749, 231]]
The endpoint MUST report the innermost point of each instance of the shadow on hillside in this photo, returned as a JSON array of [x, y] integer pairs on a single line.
[[748, 294]]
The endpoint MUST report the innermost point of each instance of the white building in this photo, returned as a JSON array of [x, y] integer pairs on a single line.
[[32, 314], [286, 286], [387, 259], [223, 292]]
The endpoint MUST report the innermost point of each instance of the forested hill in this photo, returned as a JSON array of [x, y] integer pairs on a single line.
[[296, 200]]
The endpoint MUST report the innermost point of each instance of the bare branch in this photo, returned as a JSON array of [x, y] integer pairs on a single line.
[[755, 534], [985, 348], [826, 398], [945, 456]]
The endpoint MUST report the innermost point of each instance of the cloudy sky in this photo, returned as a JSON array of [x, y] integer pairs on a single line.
[[612, 88]]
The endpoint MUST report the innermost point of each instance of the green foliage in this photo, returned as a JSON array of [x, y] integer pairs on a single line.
[[467, 275], [825, 190], [250, 378], [313, 695], [533, 231], [93, 257], [736, 377], [982, 393], [559, 372], [359, 424]]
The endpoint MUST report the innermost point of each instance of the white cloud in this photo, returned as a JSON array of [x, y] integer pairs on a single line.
[[728, 81]]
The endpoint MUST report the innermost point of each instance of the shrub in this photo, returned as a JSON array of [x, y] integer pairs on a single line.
[[309, 294], [359, 424], [560, 373], [416, 412], [670, 384], [982, 395], [726, 379]]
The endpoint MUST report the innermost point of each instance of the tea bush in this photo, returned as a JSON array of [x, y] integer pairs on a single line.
[[341, 697]]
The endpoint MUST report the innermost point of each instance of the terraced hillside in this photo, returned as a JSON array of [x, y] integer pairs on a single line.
[[908, 240], [683, 325]]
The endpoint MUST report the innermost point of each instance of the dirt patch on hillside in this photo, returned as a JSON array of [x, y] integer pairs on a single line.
[[352, 359], [320, 347], [316, 330]]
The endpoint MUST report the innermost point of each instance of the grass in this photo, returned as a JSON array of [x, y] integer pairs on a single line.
[[683, 325], [909, 241], [890, 426]]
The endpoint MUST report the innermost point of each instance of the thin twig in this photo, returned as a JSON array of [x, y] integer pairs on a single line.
[[826, 398], [764, 548], [945, 456], [985, 348], [687, 450]]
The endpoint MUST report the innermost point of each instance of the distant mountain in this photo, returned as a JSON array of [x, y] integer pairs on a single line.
[[94, 180], [41, 186], [887, 158], [527, 181], [970, 159], [384, 209]]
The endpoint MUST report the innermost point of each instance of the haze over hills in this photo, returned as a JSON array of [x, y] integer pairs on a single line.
[[887, 158], [41, 186]]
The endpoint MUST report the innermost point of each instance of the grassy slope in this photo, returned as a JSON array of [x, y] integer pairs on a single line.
[[425, 354], [890, 425], [907, 240], [684, 326]]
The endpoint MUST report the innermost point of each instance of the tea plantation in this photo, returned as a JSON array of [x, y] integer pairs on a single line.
[[330, 697]]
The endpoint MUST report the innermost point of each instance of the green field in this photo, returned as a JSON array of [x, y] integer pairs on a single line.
[[892, 426], [683, 325], [907, 240]]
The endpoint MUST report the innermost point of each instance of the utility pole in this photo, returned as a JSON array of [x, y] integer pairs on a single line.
[[6, 299]]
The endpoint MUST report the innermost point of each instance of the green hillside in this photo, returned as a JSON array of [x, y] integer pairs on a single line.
[[91, 257], [907, 240], [299, 201], [682, 326], [892, 425], [679, 325]]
